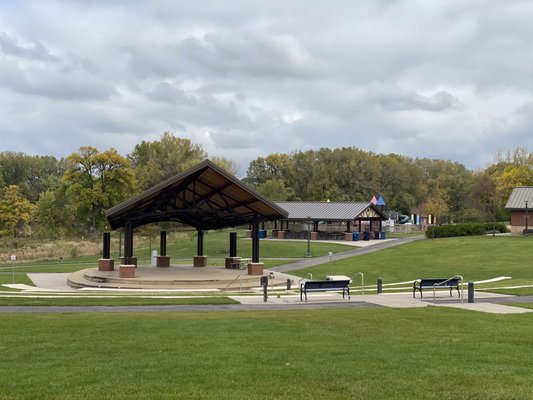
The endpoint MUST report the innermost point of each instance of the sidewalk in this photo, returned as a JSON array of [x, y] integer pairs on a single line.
[[392, 300]]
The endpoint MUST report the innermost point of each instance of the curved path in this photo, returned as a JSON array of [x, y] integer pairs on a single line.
[[311, 262]]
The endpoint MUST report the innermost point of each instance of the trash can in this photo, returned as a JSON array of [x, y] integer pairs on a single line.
[[376, 235], [355, 236], [262, 234], [366, 235], [383, 235]]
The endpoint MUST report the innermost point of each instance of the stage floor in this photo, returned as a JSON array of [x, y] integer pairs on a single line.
[[174, 277]]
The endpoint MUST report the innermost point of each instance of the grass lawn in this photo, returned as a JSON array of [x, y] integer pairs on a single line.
[[112, 301], [432, 353], [475, 258]]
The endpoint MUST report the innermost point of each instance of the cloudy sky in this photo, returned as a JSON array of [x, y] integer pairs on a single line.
[[441, 78]]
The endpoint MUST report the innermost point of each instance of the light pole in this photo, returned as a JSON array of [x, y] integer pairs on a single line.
[[308, 236], [527, 227]]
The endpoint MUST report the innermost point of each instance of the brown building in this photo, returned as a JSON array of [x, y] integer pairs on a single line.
[[520, 203]]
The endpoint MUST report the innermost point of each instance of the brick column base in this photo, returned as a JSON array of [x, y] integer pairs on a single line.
[[281, 234], [162, 261], [255, 268], [314, 235], [126, 271], [200, 261], [248, 234], [106, 264], [348, 236]]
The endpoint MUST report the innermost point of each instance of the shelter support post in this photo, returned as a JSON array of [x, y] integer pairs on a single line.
[[200, 260], [255, 267], [162, 260], [106, 263], [128, 263], [232, 260]]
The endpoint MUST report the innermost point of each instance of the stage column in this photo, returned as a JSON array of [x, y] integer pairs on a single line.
[[232, 261], [128, 262], [255, 267], [106, 263], [162, 260], [200, 260]]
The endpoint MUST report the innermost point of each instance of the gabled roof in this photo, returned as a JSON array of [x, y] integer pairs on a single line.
[[330, 211], [205, 197], [519, 196]]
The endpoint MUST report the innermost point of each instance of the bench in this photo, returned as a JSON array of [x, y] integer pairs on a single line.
[[430, 283], [325, 286]]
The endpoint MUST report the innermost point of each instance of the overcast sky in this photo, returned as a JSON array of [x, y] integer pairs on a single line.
[[441, 78]]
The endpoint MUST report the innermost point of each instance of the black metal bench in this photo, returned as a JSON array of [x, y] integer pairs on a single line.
[[436, 283], [325, 286]]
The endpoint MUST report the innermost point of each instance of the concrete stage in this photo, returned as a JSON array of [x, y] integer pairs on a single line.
[[174, 277]]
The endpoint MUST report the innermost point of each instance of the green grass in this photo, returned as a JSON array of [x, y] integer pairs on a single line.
[[432, 353], [6, 277], [115, 301], [475, 258], [184, 248]]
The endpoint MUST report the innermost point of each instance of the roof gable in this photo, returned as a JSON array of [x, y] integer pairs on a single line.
[[330, 211], [205, 197]]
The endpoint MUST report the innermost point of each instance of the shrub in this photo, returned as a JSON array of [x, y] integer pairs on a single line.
[[451, 230]]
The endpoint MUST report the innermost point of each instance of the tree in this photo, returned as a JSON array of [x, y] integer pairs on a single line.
[[275, 189], [154, 162], [96, 181], [15, 212], [54, 214], [226, 164]]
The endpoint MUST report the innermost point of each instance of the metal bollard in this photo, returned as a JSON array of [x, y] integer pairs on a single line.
[[288, 284], [264, 284], [380, 285], [470, 292]]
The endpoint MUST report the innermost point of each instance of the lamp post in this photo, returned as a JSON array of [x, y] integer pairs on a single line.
[[308, 236], [527, 227]]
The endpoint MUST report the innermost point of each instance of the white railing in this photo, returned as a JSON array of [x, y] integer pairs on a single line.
[[362, 281]]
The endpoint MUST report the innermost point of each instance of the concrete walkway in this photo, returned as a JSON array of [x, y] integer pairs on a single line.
[[485, 302], [370, 246]]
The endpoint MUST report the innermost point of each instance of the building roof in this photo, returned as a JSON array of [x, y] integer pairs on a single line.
[[519, 196], [330, 211], [205, 197]]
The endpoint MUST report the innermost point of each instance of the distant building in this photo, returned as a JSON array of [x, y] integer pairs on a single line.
[[520, 203]]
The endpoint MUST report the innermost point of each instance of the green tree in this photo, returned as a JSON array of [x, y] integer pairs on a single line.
[[15, 212], [275, 189], [154, 162], [96, 181], [226, 164], [54, 214]]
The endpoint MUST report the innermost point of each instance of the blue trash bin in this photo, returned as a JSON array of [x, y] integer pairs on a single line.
[[376, 235], [262, 234], [366, 235], [356, 236], [383, 235]]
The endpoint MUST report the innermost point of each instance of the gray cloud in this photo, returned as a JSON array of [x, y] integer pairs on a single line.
[[427, 79], [33, 51]]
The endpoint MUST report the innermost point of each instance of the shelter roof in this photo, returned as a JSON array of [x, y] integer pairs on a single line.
[[519, 196], [330, 211], [205, 197]]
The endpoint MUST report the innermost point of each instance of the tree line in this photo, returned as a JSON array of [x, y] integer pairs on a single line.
[[409, 185], [49, 197]]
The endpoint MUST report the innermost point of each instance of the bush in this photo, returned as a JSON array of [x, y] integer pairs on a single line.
[[452, 230]]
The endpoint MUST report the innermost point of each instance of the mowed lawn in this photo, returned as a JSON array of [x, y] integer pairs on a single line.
[[376, 353], [475, 258]]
